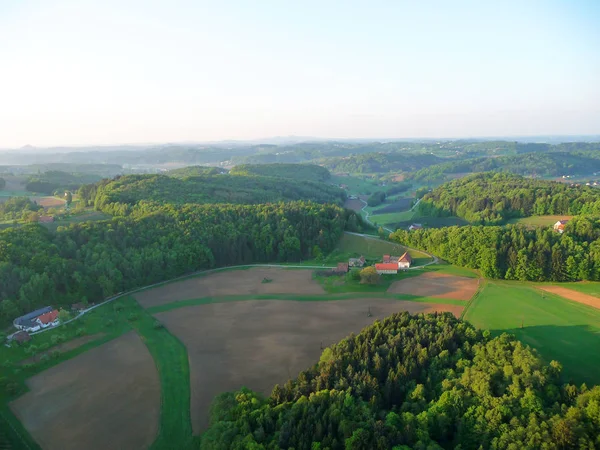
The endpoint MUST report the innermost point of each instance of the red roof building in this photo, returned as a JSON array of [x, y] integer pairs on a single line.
[[48, 317], [386, 258], [386, 268]]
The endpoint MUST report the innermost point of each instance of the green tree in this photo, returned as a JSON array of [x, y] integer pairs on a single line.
[[369, 275]]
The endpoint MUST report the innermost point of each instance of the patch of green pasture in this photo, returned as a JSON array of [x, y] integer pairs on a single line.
[[372, 248], [539, 221], [451, 270], [559, 329], [357, 185], [392, 218], [171, 359]]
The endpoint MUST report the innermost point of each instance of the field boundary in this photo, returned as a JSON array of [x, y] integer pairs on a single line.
[[482, 283]]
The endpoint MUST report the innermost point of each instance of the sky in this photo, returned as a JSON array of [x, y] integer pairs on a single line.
[[79, 72]]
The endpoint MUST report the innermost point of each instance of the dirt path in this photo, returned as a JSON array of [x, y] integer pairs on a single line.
[[570, 294]]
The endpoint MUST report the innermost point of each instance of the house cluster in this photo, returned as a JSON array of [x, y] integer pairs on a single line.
[[560, 226], [38, 319], [415, 226], [391, 264]]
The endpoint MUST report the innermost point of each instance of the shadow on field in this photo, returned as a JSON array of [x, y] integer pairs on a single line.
[[575, 347]]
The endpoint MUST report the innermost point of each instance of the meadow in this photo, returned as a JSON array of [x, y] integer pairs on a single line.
[[538, 221], [557, 328]]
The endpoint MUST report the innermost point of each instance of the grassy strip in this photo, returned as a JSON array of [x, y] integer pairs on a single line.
[[473, 299], [12, 433], [300, 298], [170, 357]]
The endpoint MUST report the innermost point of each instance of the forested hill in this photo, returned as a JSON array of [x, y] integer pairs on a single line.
[[155, 242], [193, 171], [381, 162], [56, 180], [540, 164], [239, 189], [300, 172], [414, 382], [491, 198], [516, 252]]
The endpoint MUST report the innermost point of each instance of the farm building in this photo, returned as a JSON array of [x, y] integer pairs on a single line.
[[387, 259], [357, 262], [560, 226], [46, 219], [20, 337], [415, 226], [48, 319], [386, 268], [404, 261], [28, 322], [342, 268]]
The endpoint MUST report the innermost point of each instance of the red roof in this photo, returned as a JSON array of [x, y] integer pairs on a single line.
[[386, 266], [386, 258], [405, 258], [48, 317]]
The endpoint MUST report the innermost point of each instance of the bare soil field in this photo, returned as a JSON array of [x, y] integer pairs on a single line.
[[354, 204], [108, 397], [62, 348], [570, 294], [259, 343], [437, 285], [47, 202], [233, 282]]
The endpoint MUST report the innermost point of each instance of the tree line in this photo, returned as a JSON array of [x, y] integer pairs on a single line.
[[55, 180], [492, 198], [414, 382], [516, 252], [16, 208], [155, 242]]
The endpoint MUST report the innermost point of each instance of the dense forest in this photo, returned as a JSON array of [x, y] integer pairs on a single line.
[[239, 189], [15, 208], [53, 181], [491, 198], [539, 164], [300, 172], [414, 382], [516, 252], [381, 162], [156, 242], [194, 171]]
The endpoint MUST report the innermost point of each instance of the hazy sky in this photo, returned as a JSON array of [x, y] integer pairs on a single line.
[[120, 71]]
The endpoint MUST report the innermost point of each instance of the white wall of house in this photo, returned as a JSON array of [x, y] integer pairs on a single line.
[[403, 265]]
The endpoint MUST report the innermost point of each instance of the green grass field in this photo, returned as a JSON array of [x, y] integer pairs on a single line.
[[392, 218], [558, 328], [357, 185], [539, 221], [585, 287], [374, 249]]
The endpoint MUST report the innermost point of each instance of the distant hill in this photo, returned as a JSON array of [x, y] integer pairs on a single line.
[[300, 172], [193, 171]]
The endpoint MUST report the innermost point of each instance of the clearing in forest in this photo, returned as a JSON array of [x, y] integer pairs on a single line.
[[436, 285], [578, 297], [259, 343], [108, 397], [354, 204], [253, 281]]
